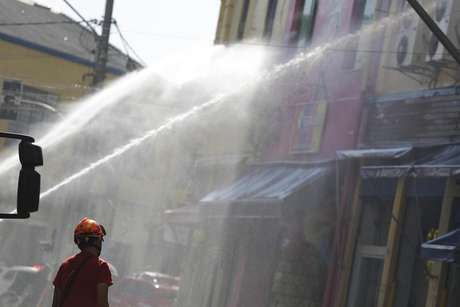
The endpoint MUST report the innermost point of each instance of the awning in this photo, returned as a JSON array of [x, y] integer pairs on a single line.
[[435, 161], [268, 183], [445, 248], [371, 153]]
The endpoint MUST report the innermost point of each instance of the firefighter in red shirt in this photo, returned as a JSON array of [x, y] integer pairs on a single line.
[[83, 279]]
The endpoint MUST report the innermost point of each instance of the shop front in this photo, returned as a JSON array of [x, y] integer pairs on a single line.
[[265, 238], [403, 198]]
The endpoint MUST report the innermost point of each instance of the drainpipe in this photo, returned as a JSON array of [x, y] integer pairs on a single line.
[[443, 39]]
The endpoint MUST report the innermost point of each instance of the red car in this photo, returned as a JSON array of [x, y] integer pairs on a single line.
[[135, 292], [158, 278]]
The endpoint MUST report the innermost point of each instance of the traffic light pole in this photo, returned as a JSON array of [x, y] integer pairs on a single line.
[[100, 67], [434, 28]]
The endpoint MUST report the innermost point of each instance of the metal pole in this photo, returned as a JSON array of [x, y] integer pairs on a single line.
[[103, 45], [443, 39]]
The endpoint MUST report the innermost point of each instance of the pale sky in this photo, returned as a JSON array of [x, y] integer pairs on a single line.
[[154, 28]]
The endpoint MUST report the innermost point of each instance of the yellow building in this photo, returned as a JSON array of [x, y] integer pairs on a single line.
[[45, 58], [46, 61]]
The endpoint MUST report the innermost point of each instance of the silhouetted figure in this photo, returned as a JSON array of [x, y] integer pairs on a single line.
[[84, 279]]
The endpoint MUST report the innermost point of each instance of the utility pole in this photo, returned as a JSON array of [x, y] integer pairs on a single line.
[[434, 28], [100, 66]]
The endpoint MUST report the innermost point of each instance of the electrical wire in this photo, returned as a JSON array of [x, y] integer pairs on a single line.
[[284, 46], [127, 45], [124, 43], [82, 18]]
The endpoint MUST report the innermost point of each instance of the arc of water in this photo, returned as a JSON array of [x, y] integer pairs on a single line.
[[312, 56]]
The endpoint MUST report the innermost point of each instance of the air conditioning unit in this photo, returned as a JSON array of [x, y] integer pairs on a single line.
[[446, 14], [408, 42]]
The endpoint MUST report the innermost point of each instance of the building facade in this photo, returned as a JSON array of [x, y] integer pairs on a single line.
[[265, 211], [393, 212], [46, 64], [378, 109], [47, 58]]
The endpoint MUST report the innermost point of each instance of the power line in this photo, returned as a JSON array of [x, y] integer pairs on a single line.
[[127, 45], [280, 46], [81, 17], [171, 36], [337, 50]]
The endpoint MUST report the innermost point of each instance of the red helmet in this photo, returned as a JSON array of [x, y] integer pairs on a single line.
[[88, 228]]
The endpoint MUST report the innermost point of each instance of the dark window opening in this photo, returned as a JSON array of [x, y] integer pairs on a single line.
[[270, 18], [25, 103], [363, 14], [413, 272], [303, 22], [244, 17], [371, 246]]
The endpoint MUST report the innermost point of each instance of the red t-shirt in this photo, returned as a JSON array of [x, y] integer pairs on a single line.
[[83, 291]]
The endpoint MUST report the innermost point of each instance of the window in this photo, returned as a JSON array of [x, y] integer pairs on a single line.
[[422, 216], [270, 18], [370, 250], [368, 272], [302, 22], [243, 18], [363, 14], [25, 103], [11, 90]]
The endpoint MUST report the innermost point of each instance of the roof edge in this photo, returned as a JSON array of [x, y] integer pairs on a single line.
[[56, 53]]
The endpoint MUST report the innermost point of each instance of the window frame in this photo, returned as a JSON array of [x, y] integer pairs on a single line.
[[297, 23]]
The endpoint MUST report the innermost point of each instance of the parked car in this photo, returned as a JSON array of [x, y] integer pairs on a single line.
[[136, 292], [158, 278], [22, 286]]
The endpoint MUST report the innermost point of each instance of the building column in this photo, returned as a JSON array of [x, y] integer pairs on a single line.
[[352, 235], [388, 282], [437, 292], [225, 21]]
